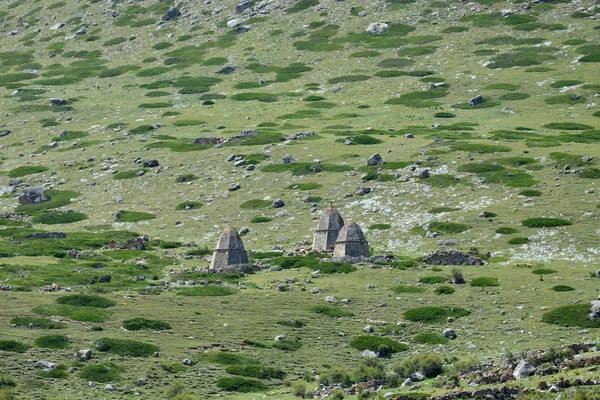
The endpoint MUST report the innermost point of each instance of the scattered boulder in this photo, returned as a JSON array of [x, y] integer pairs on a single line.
[[57, 102], [243, 6], [452, 257], [171, 14], [33, 195], [368, 329], [449, 333], [288, 159], [330, 299], [523, 370], [278, 203], [57, 26], [46, 365], [369, 354], [477, 100], [233, 187], [151, 164], [84, 355], [4, 132], [374, 160], [424, 174], [280, 338], [595, 310], [235, 22], [417, 376], [377, 28]]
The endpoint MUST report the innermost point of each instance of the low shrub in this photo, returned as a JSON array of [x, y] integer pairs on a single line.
[[481, 148], [139, 323], [242, 385], [374, 343], [287, 345], [444, 114], [189, 205], [448, 227], [484, 282], [85, 300], [429, 365], [576, 315], [124, 347], [305, 186], [57, 217], [434, 314], [444, 290], [543, 271], [407, 289], [41, 323], [439, 210], [430, 338], [26, 170], [256, 204], [562, 288], [225, 358], [127, 174], [133, 216], [7, 381], [13, 346], [530, 193], [379, 226], [76, 313], [209, 290], [545, 222], [331, 311], [518, 240], [52, 342], [260, 220], [568, 126], [102, 373], [433, 279], [255, 371]]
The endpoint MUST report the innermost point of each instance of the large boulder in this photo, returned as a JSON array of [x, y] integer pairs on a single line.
[[243, 6], [595, 310], [171, 14], [377, 28], [477, 100], [32, 195], [374, 160], [523, 370]]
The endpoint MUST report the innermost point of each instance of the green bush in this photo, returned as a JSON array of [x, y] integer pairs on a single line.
[[576, 315], [52, 342], [57, 217], [430, 338], [133, 216], [26, 170], [530, 193], [434, 314], [562, 288], [256, 204], [438, 210], [76, 313], [591, 173], [127, 174], [188, 122], [56, 199], [407, 289], [481, 148], [380, 226], [484, 282], [348, 78], [444, 114], [433, 279], [13, 346], [139, 323], [85, 300], [545, 222], [255, 371], [331, 311], [102, 373], [242, 385], [287, 345], [428, 364], [518, 240], [41, 323], [567, 82], [305, 186], [444, 290], [142, 129], [260, 220], [568, 99], [209, 290], [6, 381], [568, 126], [189, 205], [505, 230], [225, 358], [124, 347], [543, 271], [448, 227], [373, 343]]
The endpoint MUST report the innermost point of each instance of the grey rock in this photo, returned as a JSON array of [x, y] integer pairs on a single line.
[[46, 365], [187, 361], [280, 338], [595, 310], [377, 28], [315, 290], [109, 387], [407, 382], [239, 163], [288, 159], [424, 174], [57, 26], [151, 163], [141, 382], [449, 333], [369, 354], [368, 329], [330, 299], [4, 132], [243, 6], [374, 160], [235, 22], [523, 370], [171, 14], [57, 102], [230, 158], [84, 355], [417, 377], [278, 203], [32, 195], [475, 101], [244, 230], [233, 187]]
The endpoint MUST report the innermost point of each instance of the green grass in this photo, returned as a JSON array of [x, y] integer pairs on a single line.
[[481, 148], [543, 271], [204, 291], [562, 288], [85, 300], [444, 290], [242, 385], [439, 210], [430, 338], [56, 217], [255, 371], [530, 193], [331, 311], [575, 315], [26, 170], [287, 345], [545, 222], [140, 323], [225, 358], [102, 373], [305, 186], [188, 122], [374, 343], [349, 78], [566, 82], [304, 168], [56, 199], [128, 174], [484, 282], [407, 289], [434, 314], [41, 323], [189, 205], [13, 346], [518, 240], [568, 126], [255, 204], [380, 226], [133, 216], [506, 230], [450, 228], [52, 342], [125, 347], [433, 279], [568, 99]]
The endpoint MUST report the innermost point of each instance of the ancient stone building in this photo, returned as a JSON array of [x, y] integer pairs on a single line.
[[230, 251], [327, 231], [351, 242]]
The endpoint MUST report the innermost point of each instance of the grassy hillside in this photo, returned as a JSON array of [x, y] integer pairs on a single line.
[[129, 118]]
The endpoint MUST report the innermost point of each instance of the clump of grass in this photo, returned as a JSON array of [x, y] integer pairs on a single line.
[[26, 170], [85, 300], [407, 289], [518, 240], [545, 222], [591, 173], [242, 385], [380, 226], [186, 178], [56, 199], [76, 313], [139, 323], [448, 227], [506, 230], [41, 323], [225, 358], [128, 174], [349, 78], [434, 314], [331, 311], [209, 290], [444, 114], [439, 210], [249, 96], [303, 168], [305, 186], [576, 315], [188, 205], [260, 220], [56, 217], [188, 122], [430, 338], [52, 342], [430, 365], [291, 323], [133, 216], [484, 282], [255, 204], [566, 82], [287, 345], [102, 373], [530, 193], [543, 271], [514, 96], [432, 280], [568, 99], [568, 126], [420, 99], [255, 371], [124, 347], [562, 288], [374, 343], [444, 290], [13, 346]]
